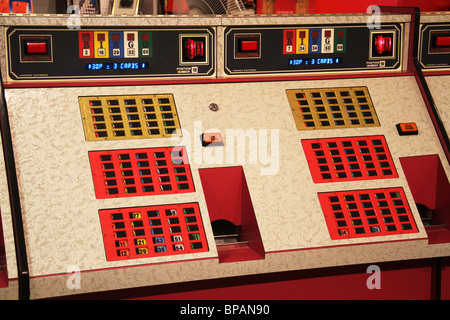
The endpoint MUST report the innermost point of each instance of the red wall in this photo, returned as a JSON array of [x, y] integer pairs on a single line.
[[330, 6]]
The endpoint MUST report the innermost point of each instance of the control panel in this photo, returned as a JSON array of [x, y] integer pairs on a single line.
[[53, 53], [167, 52], [289, 49], [434, 47]]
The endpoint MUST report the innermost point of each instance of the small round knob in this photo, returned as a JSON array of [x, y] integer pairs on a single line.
[[213, 107]]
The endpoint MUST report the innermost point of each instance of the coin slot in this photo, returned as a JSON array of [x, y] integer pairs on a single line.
[[219, 187]]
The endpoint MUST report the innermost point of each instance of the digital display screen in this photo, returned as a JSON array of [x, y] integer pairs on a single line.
[[117, 66], [314, 61]]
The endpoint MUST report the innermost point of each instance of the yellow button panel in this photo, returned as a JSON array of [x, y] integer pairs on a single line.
[[332, 108], [129, 117]]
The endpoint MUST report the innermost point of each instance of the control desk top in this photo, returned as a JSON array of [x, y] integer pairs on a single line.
[[193, 47], [136, 139]]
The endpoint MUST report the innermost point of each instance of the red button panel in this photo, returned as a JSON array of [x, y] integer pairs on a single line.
[[36, 48], [349, 159], [367, 213], [247, 45], [140, 172], [436, 41], [152, 231]]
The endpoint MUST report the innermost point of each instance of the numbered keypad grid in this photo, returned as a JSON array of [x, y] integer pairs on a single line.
[[152, 231], [351, 158], [140, 172], [129, 117], [332, 108], [367, 213]]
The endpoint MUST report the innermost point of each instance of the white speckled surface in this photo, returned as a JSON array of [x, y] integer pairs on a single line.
[[440, 88], [6, 219]]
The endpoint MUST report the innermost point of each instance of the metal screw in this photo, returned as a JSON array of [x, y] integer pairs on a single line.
[[214, 107]]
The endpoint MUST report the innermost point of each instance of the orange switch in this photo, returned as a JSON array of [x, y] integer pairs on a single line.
[[405, 129], [214, 139]]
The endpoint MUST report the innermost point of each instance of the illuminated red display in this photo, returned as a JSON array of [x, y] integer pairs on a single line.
[[193, 49], [383, 44]]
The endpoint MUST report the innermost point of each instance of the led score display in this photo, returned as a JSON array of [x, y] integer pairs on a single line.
[[117, 66], [314, 61]]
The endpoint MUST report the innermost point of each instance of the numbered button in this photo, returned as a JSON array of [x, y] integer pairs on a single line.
[[159, 249], [141, 251], [158, 240], [140, 241], [123, 253], [177, 238], [178, 247]]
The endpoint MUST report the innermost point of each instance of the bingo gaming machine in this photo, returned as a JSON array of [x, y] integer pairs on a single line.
[[224, 156]]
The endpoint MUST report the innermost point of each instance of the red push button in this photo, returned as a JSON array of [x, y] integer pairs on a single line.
[[443, 41], [36, 47], [249, 45]]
